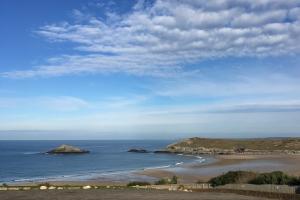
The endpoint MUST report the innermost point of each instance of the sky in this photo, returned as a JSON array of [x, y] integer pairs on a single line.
[[145, 69]]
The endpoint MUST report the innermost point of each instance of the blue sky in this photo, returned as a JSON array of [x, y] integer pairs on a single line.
[[149, 69]]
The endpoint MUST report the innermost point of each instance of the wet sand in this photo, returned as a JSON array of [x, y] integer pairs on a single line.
[[125, 194]]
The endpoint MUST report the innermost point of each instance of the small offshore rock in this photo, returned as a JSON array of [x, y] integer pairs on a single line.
[[138, 151]]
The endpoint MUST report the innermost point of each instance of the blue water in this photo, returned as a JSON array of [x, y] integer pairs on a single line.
[[22, 161]]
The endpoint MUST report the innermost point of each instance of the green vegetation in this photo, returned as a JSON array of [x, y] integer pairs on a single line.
[[4, 185], [232, 177], [240, 145], [276, 178], [161, 182], [137, 183], [164, 181], [174, 180]]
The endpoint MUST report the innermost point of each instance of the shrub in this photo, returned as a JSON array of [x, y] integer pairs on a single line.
[[161, 182], [137, 183], [164, 181], [174, 180], [294, 181], [232, 177], [276, 178], [4, 185]]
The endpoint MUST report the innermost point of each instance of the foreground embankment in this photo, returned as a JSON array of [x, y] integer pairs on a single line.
[[120, 194], [173, 191]]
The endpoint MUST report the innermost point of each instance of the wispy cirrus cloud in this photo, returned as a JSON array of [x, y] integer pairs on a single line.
[[58, 103], [160, 39], [65, 104]]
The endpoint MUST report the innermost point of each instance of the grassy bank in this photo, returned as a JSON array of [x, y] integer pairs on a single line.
[[240, 145]]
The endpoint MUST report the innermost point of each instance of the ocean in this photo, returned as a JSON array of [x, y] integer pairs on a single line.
[[24, 161]]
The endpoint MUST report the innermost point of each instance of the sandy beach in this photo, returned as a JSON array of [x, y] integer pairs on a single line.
[[192, 173]]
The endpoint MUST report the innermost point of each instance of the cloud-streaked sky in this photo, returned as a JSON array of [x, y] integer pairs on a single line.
[[149, 69]]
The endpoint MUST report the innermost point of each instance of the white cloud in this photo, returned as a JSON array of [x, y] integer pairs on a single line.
[[159, 39]]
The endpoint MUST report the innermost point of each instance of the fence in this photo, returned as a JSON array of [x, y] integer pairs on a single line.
[[262, 188], [284, 189]]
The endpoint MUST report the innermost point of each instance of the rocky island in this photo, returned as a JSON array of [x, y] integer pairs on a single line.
[[67, 149], [236, 146], [138, 151]]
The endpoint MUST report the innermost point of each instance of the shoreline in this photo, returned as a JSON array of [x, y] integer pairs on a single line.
[[112, 177], [186, 172], [96, 178]]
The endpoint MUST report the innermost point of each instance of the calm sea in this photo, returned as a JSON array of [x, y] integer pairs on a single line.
[[22, 161]]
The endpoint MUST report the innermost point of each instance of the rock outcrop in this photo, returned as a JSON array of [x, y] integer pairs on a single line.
[[67, 149], [138, 151], [162, 151]]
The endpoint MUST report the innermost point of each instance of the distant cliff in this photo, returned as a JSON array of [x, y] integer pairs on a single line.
[[236, 146]]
